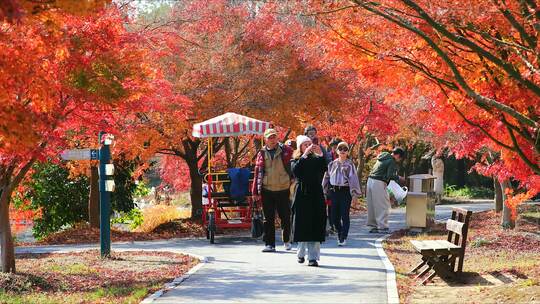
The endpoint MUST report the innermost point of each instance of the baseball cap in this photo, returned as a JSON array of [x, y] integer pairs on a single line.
[[269, 132]]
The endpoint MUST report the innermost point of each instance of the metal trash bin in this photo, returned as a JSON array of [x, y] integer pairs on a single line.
[[420, 201]]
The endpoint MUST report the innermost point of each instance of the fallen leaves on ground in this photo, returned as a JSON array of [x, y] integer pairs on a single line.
[[491, 251], [87, 274], [83, 233]]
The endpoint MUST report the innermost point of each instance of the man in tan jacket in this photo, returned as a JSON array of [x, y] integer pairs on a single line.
[[271, 184]]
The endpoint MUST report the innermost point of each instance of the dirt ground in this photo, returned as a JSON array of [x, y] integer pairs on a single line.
[[501, 266]]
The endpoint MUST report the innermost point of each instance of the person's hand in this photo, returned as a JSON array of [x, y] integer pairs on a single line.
[[402, 180], [256, 197], [309, 149]]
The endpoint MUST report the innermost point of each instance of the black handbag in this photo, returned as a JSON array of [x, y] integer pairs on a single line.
[[257, 227]]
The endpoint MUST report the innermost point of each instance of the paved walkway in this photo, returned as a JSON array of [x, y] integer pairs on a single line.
[[238, 272]]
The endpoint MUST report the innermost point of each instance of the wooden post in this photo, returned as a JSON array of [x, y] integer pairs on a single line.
[[93, 199]]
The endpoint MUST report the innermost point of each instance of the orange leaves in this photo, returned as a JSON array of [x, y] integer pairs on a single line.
[[513, 200]]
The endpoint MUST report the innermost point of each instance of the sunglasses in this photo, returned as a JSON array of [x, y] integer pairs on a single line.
[[343, 149]]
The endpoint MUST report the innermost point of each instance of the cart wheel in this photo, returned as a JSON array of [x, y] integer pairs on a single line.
[[211, 227]]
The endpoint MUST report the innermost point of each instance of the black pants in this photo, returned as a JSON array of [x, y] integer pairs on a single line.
[[341, 206], [273, 201]]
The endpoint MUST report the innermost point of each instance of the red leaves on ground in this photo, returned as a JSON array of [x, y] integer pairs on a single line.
[[82, 233], [487, 226]]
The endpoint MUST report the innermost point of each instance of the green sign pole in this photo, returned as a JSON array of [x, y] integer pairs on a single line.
[[104, 199]]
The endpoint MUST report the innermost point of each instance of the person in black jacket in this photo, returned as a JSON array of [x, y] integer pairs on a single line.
[[308, 166]]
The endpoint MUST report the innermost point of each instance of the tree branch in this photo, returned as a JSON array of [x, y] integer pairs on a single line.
[[509, 68]]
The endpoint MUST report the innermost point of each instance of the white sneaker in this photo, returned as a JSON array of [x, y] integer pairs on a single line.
[[339, 243], [288, 246], [269, 248]]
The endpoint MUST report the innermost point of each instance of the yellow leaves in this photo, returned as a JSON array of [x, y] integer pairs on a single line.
[[61, 53], [420, 44], [78, 7], [418, 77]]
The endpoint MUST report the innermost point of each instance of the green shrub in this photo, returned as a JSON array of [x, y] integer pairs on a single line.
[[122, 197], [141, 189], [134, 218], [62, 200]]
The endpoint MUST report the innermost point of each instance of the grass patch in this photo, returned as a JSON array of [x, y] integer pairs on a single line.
[[75, 268], [480, 242], [468, 192], [112, 295]]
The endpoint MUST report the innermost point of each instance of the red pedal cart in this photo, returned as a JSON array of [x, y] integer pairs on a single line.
[[220, 210]]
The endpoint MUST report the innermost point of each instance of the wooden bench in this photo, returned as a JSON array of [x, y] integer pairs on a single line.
[[441, 255]]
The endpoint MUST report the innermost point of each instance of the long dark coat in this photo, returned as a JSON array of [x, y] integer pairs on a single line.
[[308, 203]]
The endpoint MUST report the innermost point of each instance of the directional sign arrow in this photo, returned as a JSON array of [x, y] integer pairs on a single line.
[[94, 154]]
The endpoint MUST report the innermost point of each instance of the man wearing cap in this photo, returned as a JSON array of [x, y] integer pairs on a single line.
[[271, 184], [378, 200]]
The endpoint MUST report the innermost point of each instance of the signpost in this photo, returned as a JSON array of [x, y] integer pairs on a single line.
[[106, 184]]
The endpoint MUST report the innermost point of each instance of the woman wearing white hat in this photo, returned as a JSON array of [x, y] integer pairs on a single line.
[[308, 166]]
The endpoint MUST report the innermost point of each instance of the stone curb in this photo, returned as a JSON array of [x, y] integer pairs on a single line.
[[391, 285], [177, 281]]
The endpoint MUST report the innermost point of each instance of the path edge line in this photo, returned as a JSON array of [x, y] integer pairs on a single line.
[[391, 285], [177, 281]]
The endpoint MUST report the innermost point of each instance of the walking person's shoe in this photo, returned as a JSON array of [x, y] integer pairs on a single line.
[[374, 230], [313, 263], [269, 248], [301, 260], [384, 230], [342, 243], [288, 246]]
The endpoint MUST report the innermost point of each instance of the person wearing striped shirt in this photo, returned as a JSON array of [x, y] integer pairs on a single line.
[[341, 186]]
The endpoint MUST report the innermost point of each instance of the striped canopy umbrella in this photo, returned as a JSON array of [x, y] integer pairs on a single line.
[[229, 124]]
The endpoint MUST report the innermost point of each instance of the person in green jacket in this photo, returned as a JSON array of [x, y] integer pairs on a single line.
[[378, 200]]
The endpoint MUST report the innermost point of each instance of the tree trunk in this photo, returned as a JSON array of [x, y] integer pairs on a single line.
[[7, 248], [507, 221], [195, 191], [437, 165], [93, 200], [461, 173], [361, 165], [498, 195]]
